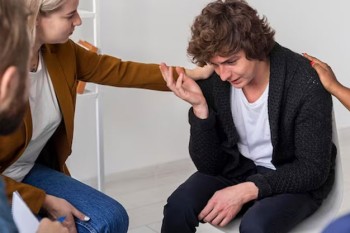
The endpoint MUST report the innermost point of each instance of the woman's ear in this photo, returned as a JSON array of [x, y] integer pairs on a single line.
[[8, 81]]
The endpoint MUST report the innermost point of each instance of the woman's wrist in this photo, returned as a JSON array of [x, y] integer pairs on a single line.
[[334, 88], [337, 90]]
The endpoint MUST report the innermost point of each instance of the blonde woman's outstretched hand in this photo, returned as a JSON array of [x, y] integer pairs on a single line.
[[187, 89], [199, 73]]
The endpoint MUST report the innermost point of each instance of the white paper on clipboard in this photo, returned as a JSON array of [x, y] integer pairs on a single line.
[[25, 220]]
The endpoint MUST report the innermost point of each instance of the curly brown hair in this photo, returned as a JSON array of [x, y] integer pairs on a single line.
[[225, 27]]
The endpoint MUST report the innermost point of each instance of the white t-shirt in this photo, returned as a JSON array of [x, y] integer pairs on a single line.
[[253, 127], [46, 116]]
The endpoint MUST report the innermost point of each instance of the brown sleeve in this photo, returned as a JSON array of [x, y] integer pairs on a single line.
[[112, 71], [32, 196], [83, 65]]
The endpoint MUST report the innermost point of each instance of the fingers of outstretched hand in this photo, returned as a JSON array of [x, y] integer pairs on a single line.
[[321, 67], [312, 59], [209, 69], [200, 72], [167, 73], [315, 61], [308, 56], [180, 70], [165, 70]]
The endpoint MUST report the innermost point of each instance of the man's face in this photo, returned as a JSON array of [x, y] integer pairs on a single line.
[[13, 105], [235, 69]]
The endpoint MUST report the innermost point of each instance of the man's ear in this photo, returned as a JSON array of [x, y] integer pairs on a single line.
[[8, 81]]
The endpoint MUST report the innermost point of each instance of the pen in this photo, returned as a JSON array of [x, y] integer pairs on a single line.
[[61, 219]]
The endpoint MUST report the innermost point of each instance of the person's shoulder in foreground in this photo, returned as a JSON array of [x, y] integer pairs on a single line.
[[14, 56]]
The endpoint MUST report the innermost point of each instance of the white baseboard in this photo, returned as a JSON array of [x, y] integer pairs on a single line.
[[153, 170]]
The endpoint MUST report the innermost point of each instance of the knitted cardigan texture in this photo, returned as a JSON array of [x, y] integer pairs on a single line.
[[300, 117]]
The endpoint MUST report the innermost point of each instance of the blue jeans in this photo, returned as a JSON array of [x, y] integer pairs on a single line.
[[7, 224], [106, 214]]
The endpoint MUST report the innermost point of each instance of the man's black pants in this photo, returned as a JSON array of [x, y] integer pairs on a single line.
[[275, 214]]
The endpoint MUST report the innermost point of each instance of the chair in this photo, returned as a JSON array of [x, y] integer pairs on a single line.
[[328, 210]]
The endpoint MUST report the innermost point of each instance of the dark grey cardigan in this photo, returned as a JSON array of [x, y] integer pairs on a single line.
[[300, 116]]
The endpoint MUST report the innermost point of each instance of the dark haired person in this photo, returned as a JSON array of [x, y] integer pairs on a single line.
[[14, 40], [261, 128]]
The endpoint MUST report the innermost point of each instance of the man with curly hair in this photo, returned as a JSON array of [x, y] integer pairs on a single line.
[[261, 128]]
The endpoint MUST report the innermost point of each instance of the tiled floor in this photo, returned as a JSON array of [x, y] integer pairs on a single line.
[[143, 192]]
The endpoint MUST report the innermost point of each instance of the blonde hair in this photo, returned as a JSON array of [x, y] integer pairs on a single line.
[[14, 40], [37, 7]]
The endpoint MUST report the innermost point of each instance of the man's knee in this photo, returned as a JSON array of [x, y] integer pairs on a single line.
[[179, 214], [179, 204], [254, 222]]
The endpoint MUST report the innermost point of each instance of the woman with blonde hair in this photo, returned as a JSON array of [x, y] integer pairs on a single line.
[[32, 159]]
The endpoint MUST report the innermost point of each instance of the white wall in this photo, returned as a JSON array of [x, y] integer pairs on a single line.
[[318, 27], [146, 127]]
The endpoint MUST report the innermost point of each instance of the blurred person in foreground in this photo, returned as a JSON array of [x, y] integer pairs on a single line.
[[14, 57]]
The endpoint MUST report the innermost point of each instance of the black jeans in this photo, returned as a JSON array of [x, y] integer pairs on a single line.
[[275, 214]]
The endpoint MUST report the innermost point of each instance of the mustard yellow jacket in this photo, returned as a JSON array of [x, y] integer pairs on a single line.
[[67, 64]]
